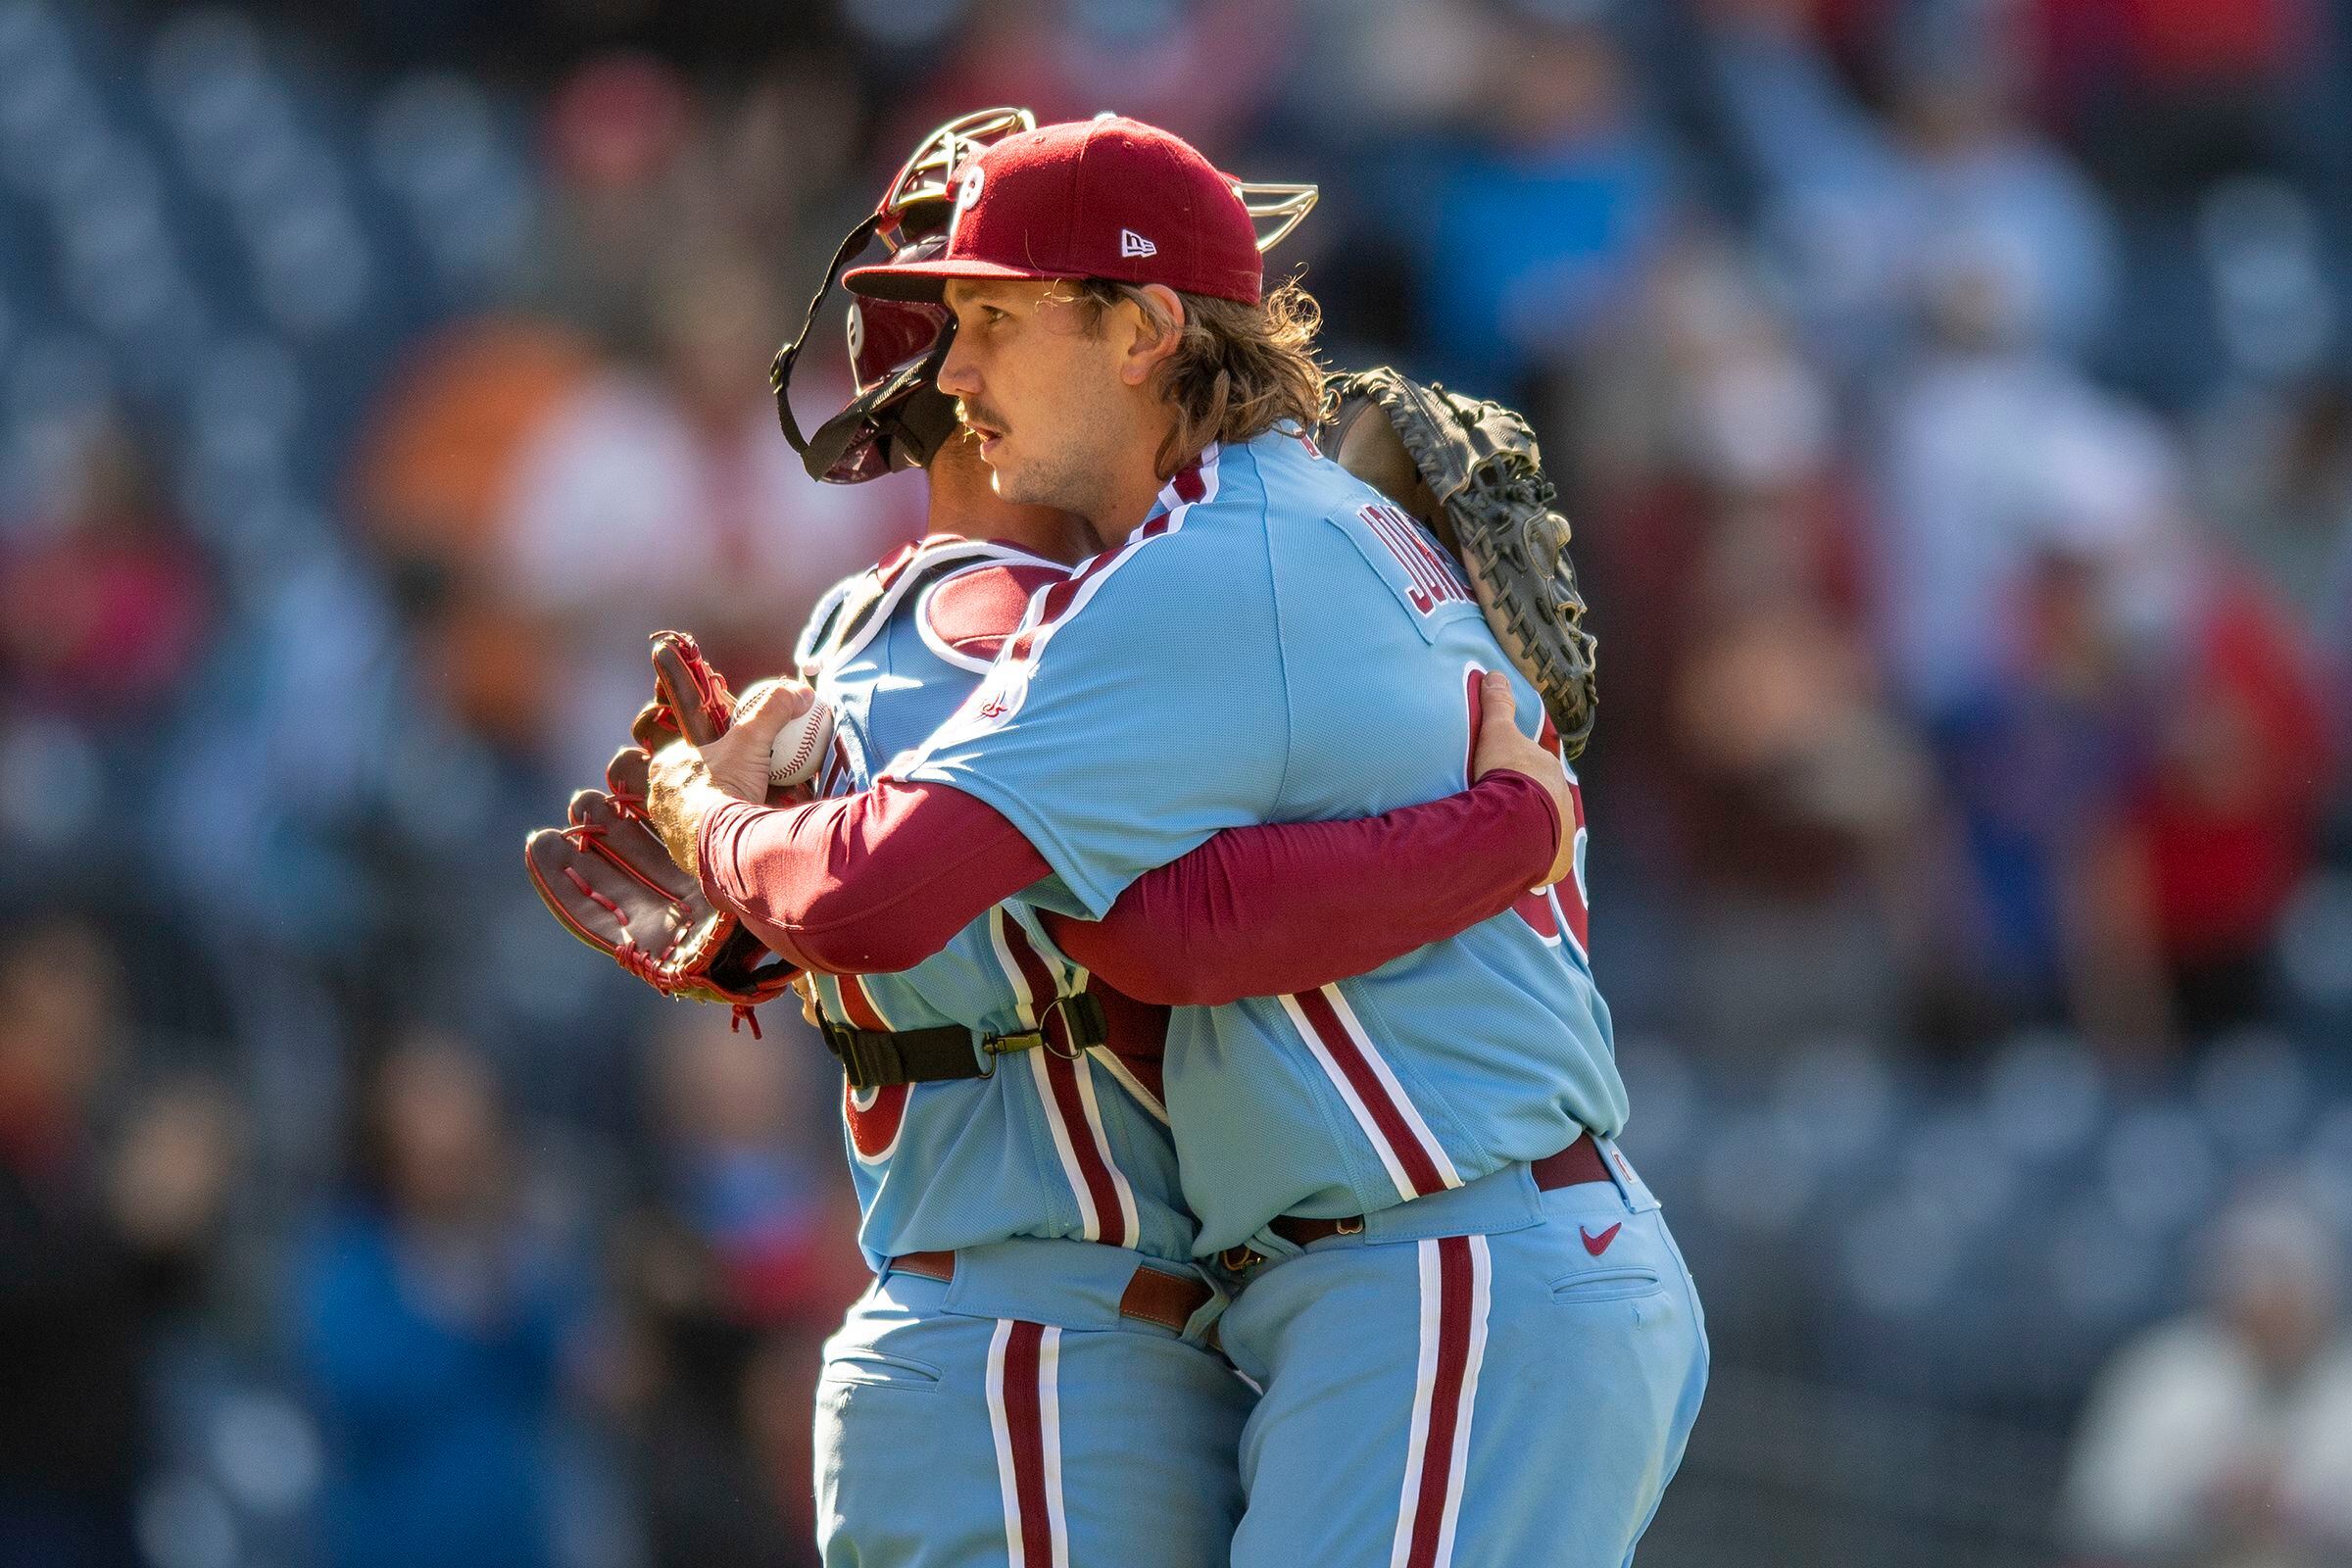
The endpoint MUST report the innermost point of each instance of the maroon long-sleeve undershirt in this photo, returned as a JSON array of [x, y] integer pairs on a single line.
[[880, 881]]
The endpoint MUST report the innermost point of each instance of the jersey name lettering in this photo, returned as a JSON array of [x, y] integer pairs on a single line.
[[1434, 579]]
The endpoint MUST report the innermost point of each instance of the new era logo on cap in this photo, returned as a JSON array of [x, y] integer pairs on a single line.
[[1133, 244]]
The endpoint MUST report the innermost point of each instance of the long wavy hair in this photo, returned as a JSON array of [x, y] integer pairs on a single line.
[[1237, 370]]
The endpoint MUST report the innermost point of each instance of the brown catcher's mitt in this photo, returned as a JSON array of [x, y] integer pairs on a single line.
[[1471, 472], [606, 876]]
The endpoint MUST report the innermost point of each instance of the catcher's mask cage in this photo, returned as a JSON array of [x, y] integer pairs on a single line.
[[896, 417]]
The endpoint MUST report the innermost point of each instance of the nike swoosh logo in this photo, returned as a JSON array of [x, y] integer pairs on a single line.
[[1597, 1245]]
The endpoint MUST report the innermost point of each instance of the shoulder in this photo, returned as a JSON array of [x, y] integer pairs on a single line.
[[1210, 517], [1179, 567], [1321, 524], [852, 611], [1202, 552], [1297, 480], [968, 615], [1325, 528]]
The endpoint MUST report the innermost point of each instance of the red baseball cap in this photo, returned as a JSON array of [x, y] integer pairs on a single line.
[[1107, 197]]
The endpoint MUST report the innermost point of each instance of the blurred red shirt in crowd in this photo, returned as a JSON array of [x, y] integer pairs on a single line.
[[2230, 813], [106, 610]]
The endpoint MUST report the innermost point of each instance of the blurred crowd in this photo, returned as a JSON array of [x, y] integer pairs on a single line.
[[1951, 400], [2225, 1436]]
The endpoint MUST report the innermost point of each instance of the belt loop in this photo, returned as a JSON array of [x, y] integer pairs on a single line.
[[1629, 1186]]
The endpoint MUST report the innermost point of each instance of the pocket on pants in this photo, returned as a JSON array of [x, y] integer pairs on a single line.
[[1625, 1283], [874, 1369]]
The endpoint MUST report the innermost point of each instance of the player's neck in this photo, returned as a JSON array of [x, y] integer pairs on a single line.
[[1132, 488], [964, 502], [1132, 496]]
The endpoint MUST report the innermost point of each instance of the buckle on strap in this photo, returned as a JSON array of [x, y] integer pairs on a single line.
[[1083, 1025], [869, 1059], [876, 1059]]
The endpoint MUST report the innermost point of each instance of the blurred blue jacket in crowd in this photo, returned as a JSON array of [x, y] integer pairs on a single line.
[[433, 1378]]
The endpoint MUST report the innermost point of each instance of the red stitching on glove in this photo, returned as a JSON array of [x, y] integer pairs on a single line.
[[582, 882], [645, 968]]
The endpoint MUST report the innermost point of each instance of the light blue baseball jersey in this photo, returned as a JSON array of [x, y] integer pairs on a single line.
[[1278, 643], [1047, 1146]]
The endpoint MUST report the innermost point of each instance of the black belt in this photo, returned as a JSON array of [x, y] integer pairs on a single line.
[[876, 1058]]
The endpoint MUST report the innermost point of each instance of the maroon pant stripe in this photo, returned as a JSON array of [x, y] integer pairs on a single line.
[[1031, 963], [1025, 1425], [1446, 1399]]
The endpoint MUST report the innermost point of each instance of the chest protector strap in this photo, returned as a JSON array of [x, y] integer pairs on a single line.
[[876, 1058], [843, 621]]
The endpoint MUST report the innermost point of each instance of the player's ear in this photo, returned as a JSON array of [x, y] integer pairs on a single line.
[[1151, 334]]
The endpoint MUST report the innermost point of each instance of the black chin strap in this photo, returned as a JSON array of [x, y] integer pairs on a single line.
[[779, 370]]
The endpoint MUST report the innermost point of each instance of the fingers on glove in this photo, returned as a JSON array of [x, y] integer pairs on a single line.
[[697, 697], [629, 776], [578, 889], [610, 903], [653, 728], [617, 836]]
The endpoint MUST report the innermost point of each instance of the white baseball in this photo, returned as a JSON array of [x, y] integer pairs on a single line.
[[800, 745]]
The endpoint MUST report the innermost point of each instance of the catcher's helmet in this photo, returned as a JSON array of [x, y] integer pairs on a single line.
[[897, 417]]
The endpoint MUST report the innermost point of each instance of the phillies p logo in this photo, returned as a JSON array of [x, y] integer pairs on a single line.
[[967, 197]]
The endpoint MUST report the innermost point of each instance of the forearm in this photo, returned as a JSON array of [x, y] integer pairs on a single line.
[[1265, 910], [863, 884]]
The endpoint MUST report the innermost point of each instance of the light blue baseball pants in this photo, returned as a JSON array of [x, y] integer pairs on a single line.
[[1012, 1416], [1490, 1377]]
